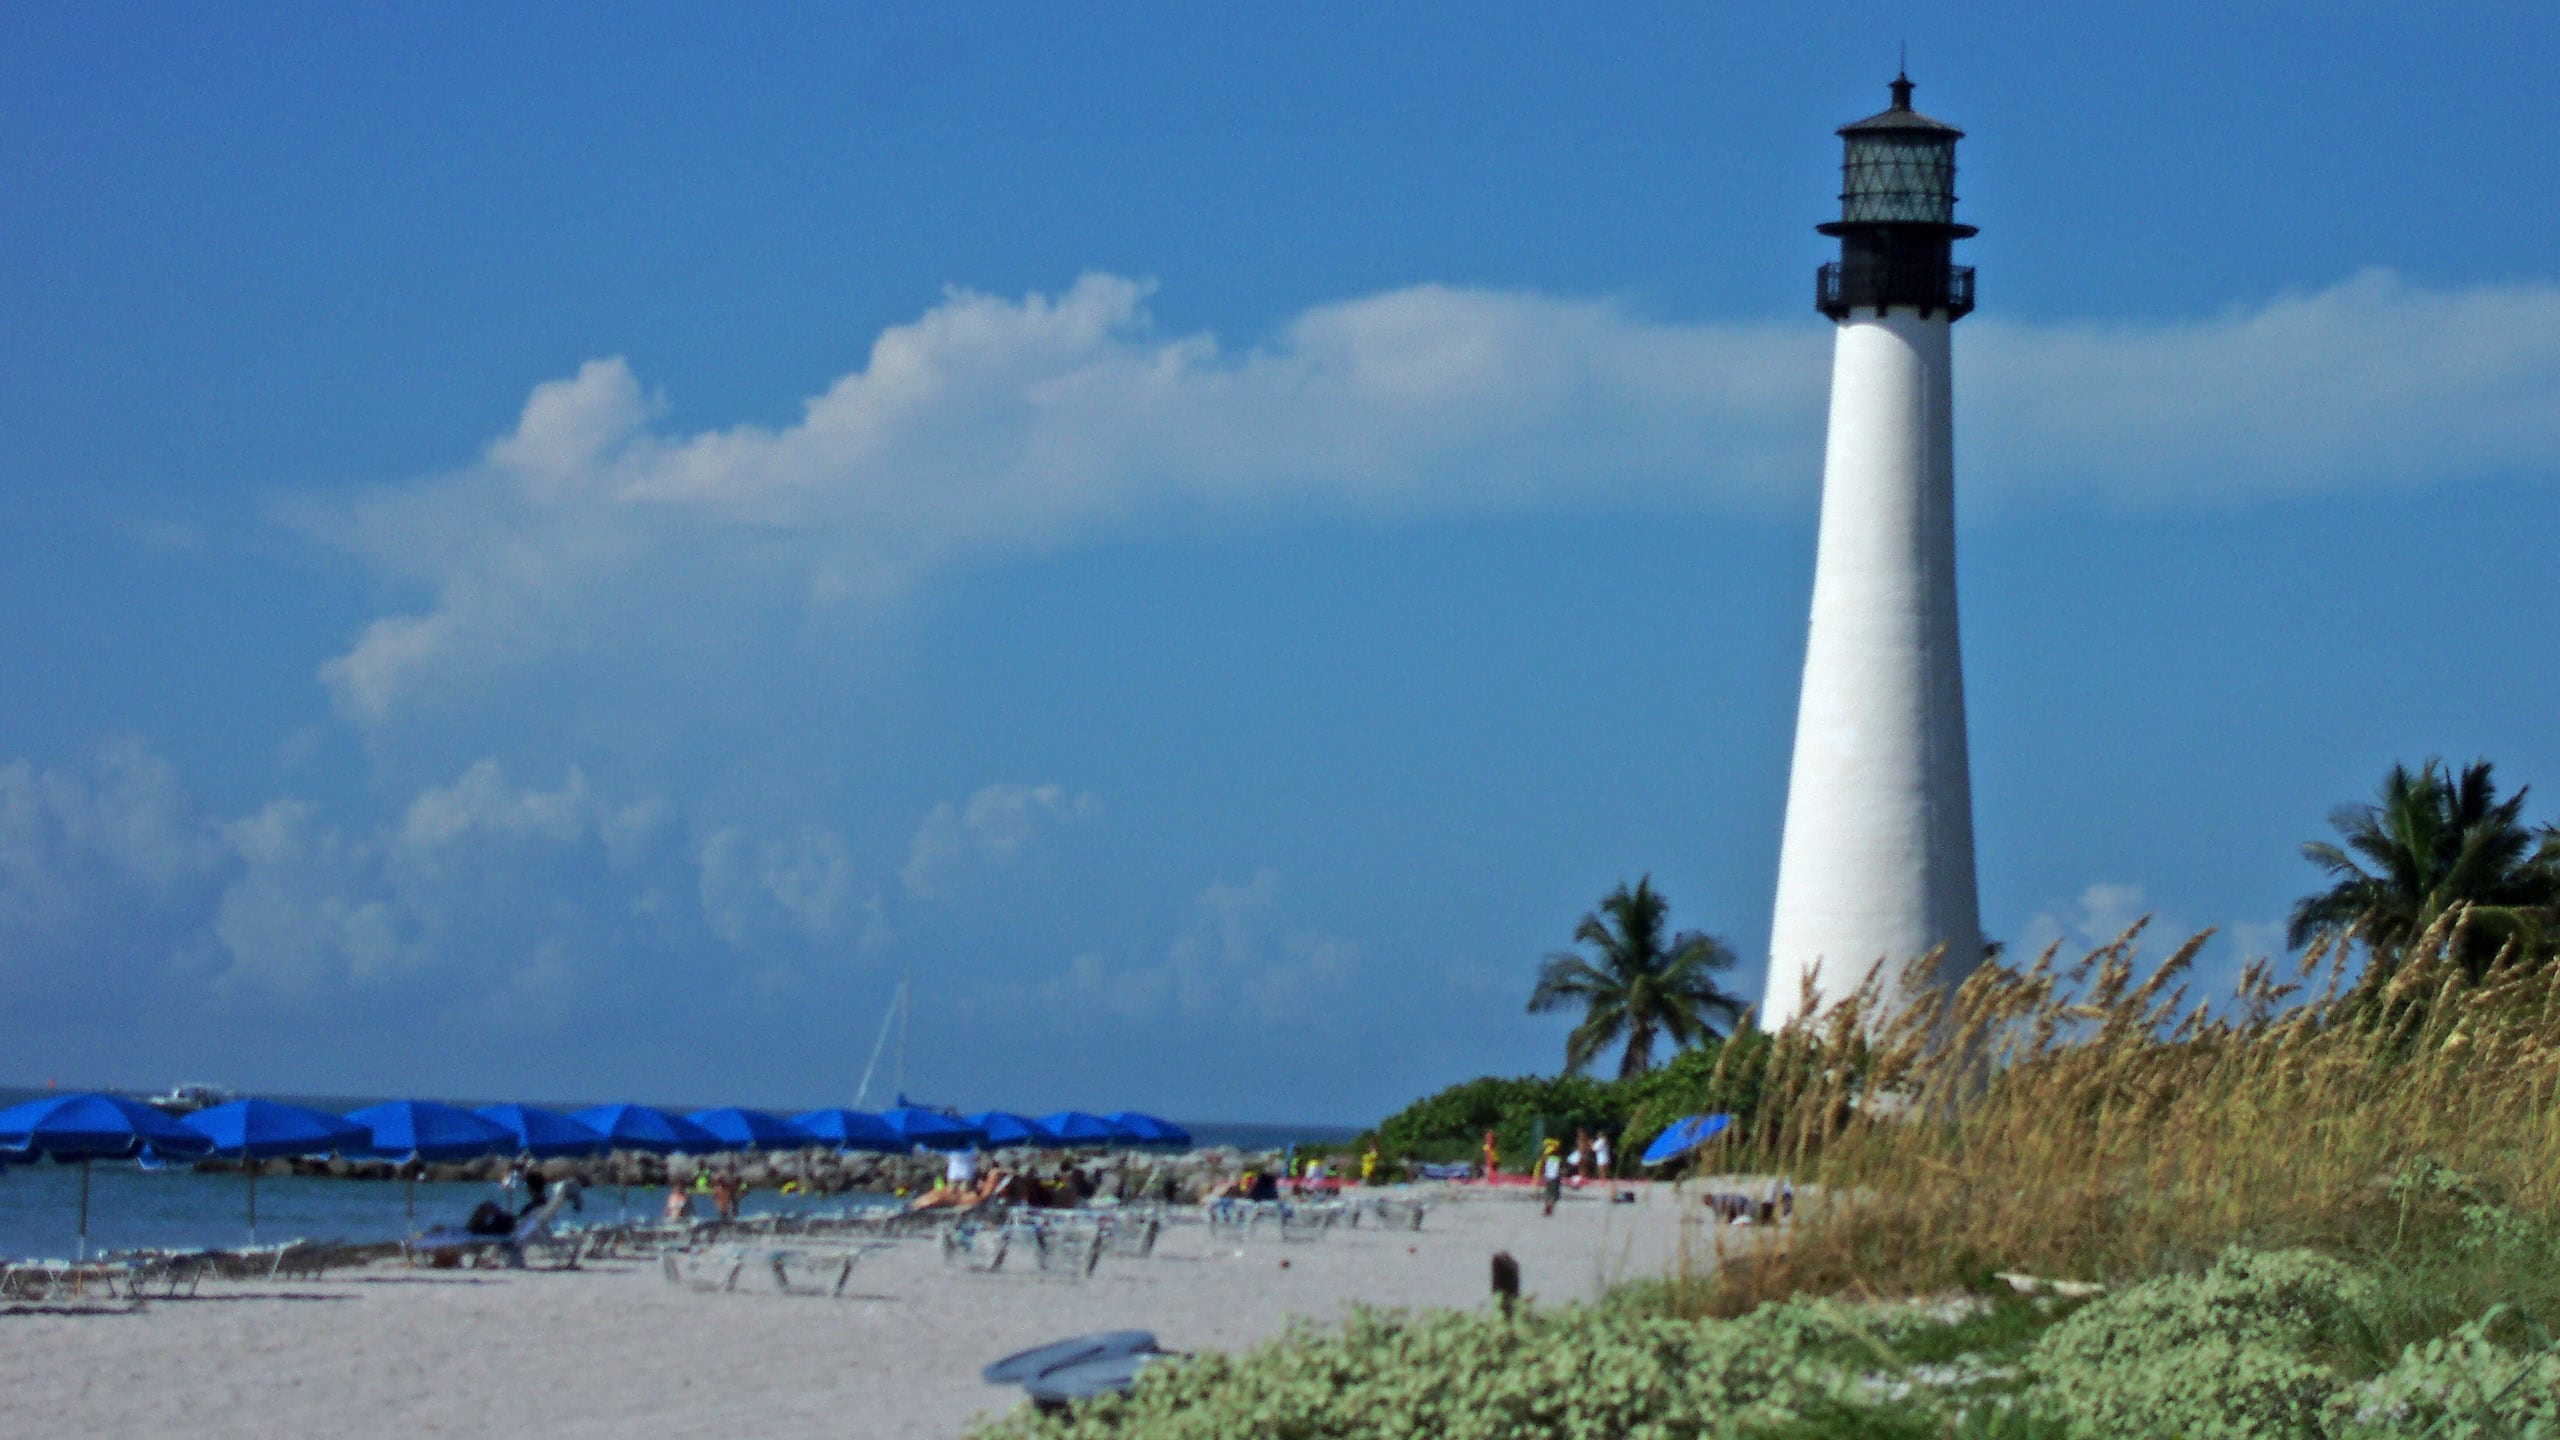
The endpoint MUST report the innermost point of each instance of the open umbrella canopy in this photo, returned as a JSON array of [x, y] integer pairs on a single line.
[[647, 1128], [543, 1134], [1002, 1128], [849, 1130], [264, 1129], [742, 1129], [94, 1127], [1150, 1129], [932, 1129], [1684, 1135], [1029, 1365], [429, 1131], [85, 1127], [1074, 1127]]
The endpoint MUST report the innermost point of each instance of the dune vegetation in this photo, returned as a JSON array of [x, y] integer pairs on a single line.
[[2064, 1199], [2312, 1210]]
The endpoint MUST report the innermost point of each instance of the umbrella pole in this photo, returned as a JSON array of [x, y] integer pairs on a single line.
[[84, 1209], [249, 1167], [409, 1182]]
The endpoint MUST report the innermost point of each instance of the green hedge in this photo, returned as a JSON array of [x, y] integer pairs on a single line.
[[1451, 1124]]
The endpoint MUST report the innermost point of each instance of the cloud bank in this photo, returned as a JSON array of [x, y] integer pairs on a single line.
[[990, 427], [480, 899]]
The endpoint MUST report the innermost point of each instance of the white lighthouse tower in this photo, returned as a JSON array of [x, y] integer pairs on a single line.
[[1877, 863]]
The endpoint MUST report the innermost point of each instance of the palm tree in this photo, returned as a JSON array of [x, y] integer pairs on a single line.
[[1640, 987], [2433, 843]]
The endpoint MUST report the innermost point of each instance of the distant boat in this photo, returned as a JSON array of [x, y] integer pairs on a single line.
[[190, 1098]]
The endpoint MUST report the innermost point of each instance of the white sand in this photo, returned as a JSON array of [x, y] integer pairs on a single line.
[[613, 1349]]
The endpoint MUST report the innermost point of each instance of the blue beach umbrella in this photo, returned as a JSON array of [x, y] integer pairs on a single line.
[[1029, 1365], [425, 1130], [1684, 1135], [1074, 1127], [932, 1129], [849, 1130], [1002, 1128], [545, 1134], [1151, 1130], [249, 1130], [87, 1127], [422, 1130], [742, 1129], [647, 1128]]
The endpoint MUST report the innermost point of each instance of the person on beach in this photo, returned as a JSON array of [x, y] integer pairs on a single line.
[[536, 1189], [1369, 1166], [1492, 1158], [679, 1204], [1551, 1171], [489, 1219], [1581, 1157], [1600, 1155]]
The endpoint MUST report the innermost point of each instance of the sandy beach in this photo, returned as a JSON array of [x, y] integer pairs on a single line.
[[613, 1349]]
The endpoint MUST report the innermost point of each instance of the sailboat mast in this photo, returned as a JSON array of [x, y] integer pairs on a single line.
[[894, 1015]]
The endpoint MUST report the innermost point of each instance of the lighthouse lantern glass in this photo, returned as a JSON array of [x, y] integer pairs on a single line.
[[1889, 177]]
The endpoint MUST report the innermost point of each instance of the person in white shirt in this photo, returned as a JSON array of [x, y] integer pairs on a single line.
[[961, 1170], [1600, 1156]]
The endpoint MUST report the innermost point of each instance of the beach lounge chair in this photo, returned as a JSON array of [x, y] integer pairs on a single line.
[[531, 1229], [962, 1245], [823, 1271], [55, 1281], [1067, 1242], [171, 1273]]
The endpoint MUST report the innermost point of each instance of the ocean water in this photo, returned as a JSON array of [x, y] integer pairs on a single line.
[[175, 1207]]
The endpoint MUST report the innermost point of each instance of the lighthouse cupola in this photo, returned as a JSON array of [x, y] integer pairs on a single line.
[[1897, 217]]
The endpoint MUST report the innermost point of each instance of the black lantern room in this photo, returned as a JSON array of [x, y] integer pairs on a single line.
[[1897, 217]]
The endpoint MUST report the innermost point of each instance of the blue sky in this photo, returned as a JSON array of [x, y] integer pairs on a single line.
[[559, 554]]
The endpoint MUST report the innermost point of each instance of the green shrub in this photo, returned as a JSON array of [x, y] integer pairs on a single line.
[[2225, 1353], [2465, 1386], [1575, 1372]]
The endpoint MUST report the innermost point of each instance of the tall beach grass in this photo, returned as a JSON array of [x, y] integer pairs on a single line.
[[2093, 1122]]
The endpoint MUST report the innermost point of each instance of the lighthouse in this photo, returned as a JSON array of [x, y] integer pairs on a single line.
[[1876, 865]]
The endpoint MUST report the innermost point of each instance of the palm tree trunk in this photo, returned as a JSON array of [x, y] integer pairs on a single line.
[[1639, 1056]]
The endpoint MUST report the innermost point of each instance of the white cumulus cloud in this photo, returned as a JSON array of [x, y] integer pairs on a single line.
[[996, 828], [990, 427]]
